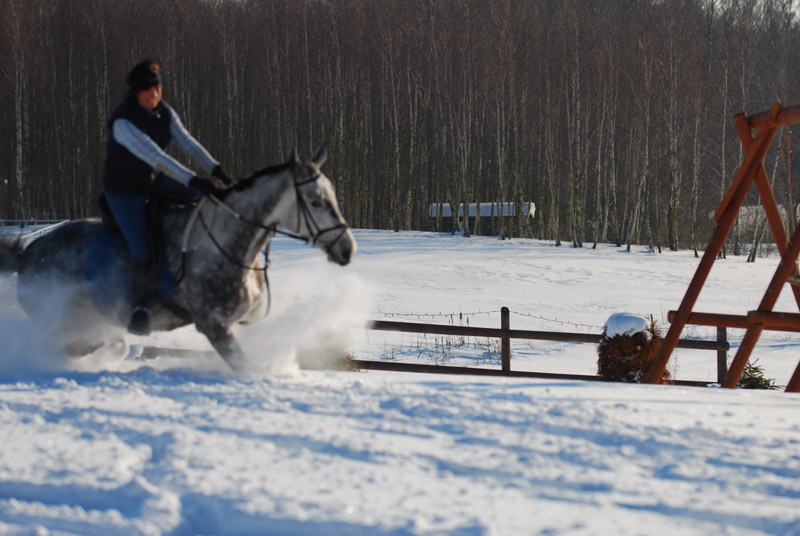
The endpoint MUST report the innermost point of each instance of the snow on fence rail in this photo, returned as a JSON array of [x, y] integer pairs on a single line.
[[30, 237], [505, 334], [19, 226]]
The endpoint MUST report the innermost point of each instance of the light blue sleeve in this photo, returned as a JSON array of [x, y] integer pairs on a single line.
[[143, 147], [190, 146]]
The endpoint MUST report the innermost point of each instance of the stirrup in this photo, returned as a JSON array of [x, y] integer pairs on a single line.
[[139, 321]]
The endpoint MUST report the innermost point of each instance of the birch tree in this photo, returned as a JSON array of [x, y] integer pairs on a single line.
[[18, 38]]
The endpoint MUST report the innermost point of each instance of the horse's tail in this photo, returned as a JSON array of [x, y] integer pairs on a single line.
[[10, 251]]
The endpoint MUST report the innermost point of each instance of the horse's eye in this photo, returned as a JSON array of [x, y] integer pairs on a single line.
[[316, 203]]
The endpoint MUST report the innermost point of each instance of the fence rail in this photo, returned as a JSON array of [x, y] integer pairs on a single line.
[[505, 334]]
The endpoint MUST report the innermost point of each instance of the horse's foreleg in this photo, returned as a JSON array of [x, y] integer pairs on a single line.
[[225, 344]]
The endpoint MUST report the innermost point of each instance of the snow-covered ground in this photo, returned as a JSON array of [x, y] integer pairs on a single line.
[[182, 446]]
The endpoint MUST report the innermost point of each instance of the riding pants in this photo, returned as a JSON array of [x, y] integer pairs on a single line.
[[130, 211]]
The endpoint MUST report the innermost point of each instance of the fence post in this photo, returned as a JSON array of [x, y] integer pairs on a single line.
[[505, 341], [722, 355]]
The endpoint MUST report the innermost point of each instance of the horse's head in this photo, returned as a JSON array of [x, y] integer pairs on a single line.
[[319, 219]]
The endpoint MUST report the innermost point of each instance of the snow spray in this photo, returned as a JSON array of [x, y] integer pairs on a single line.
[[29, 346], [24, 349], [316, 309]]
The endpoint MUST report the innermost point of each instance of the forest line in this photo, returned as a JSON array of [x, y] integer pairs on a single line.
[[614, 117]]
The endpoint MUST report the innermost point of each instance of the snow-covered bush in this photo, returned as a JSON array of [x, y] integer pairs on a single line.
[[627, 349]]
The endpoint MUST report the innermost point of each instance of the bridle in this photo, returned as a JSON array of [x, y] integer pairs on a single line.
[[304, 215], [305, 212]]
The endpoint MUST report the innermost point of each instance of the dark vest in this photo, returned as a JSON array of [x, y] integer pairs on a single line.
[[124, 173]]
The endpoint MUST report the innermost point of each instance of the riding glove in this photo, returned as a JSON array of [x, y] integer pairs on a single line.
[[204, 186], [220, 174]]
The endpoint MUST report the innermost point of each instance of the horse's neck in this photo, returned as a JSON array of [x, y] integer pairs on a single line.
[[270, 201], [267, 204]]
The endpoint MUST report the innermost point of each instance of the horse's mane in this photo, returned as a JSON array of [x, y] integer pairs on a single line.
[[247, 182]]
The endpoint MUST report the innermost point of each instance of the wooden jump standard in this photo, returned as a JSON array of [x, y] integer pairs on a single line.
[[751, 170]]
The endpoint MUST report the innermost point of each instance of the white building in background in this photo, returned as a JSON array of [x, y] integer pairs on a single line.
[[441, 215]]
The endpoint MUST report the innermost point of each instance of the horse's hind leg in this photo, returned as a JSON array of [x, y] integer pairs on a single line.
[[225, 344]]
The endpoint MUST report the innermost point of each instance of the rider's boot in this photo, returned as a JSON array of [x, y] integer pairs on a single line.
[[140, 293], [139, 321]]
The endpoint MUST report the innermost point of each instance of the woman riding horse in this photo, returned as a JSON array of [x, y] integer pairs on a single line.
[[215, 248], [137, 170]]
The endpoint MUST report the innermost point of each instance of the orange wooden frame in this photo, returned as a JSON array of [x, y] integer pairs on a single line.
[[751, 170]]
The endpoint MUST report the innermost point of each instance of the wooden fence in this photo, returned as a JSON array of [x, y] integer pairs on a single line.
[[505, 334]]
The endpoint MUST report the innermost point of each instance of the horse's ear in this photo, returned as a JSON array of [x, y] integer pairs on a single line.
[[321, 157], [294, 158]]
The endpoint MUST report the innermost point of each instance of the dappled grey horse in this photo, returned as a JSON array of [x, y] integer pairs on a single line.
[[212, 249]]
